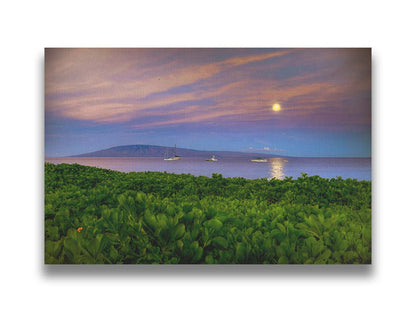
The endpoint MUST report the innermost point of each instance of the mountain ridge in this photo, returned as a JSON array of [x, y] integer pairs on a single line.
[[144, 150]]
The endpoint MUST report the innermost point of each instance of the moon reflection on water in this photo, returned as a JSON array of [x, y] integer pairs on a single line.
[[277, 168]]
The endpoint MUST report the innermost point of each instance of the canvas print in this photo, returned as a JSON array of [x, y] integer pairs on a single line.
[[207, 156]]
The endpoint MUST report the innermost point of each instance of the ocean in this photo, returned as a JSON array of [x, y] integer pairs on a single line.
[[277, 167]]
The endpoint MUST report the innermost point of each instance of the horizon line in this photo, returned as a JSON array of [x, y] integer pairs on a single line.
[[253, 151]]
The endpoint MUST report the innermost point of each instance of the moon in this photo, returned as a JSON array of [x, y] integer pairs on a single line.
[[276, 107]]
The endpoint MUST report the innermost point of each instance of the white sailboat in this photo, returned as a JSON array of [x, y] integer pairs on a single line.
[[259, 159], [175, 157], [212, 158]]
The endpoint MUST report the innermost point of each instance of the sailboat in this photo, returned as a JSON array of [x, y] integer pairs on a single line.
[[259, 159], [212, 159], [175, 157]]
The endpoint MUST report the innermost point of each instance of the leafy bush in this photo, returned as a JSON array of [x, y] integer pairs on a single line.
[[101, 216]]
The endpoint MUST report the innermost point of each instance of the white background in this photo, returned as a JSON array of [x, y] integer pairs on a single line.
[[27, 27]]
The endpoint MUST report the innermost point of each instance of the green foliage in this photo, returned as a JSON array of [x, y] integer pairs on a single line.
[[98, 216]]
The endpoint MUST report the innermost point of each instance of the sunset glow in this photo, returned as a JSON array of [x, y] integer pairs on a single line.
[[209, 99]]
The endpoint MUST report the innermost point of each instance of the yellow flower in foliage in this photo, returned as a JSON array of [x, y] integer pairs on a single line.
[[79, 229]]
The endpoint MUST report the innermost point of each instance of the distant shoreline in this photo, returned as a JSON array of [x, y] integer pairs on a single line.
[[254, 155], [162, 151]]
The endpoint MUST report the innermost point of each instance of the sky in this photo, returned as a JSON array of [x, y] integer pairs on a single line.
[[209, 99]]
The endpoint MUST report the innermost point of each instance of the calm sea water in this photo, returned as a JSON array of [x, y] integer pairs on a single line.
[[281, 167]]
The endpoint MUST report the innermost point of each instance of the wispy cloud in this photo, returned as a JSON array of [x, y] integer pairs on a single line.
[[164, 87], [107, 88]]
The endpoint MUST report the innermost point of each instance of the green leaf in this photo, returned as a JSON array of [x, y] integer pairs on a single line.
[[240, 251], [209, 259], [179, 243], [198, 254], [281, 227], [53, 248], [283, 260], [179, 231], [220, 242], [52, 233], [214, 224]]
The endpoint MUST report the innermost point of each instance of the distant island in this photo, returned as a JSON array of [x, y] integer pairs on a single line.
[[160, 151]]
